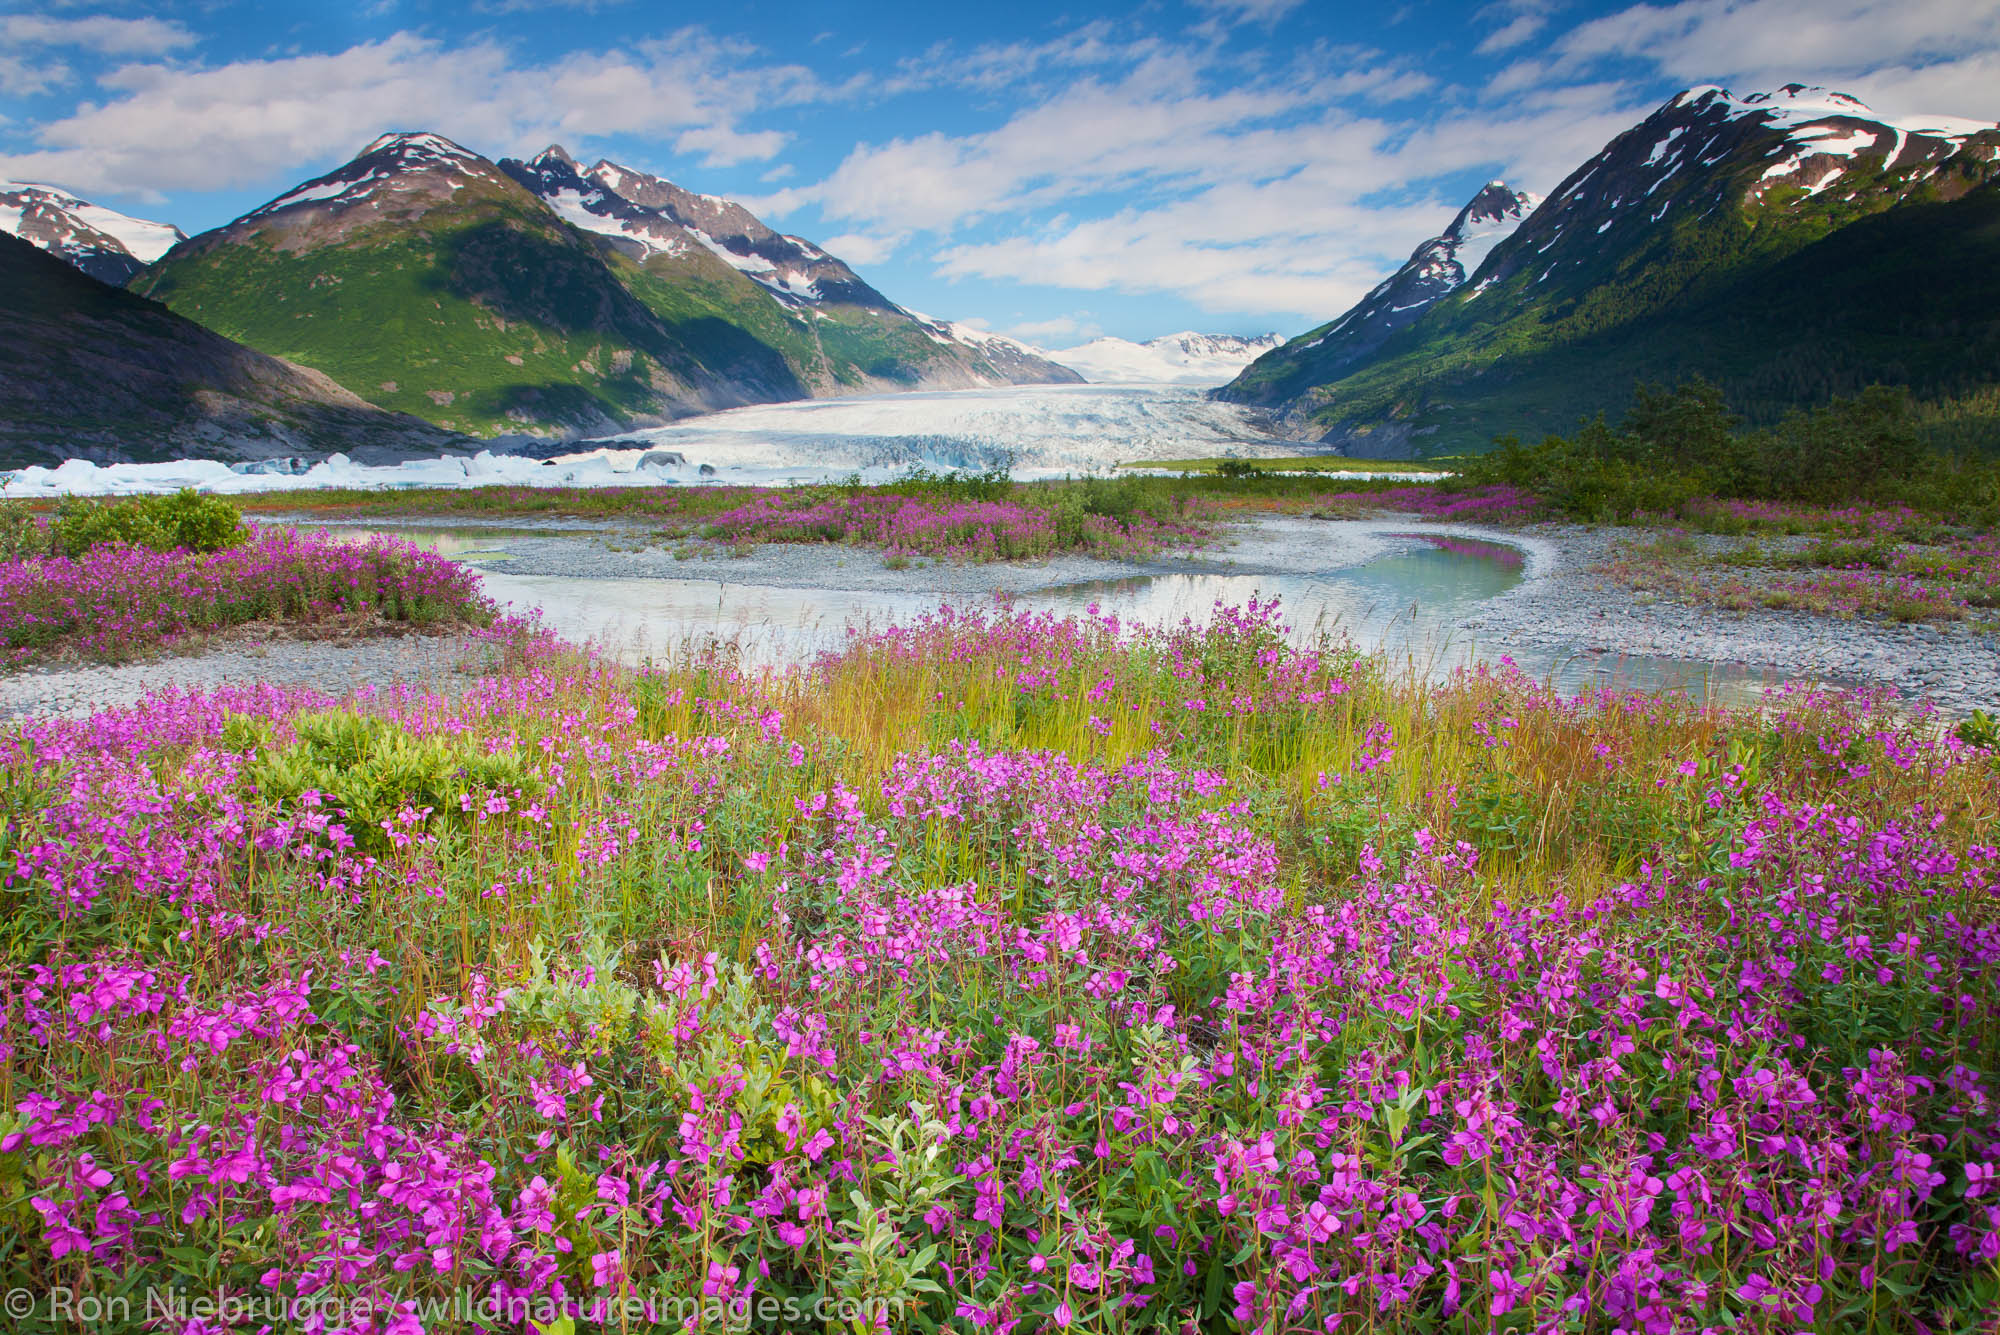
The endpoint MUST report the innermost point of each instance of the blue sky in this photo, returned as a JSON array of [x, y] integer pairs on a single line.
[[1049, 170]]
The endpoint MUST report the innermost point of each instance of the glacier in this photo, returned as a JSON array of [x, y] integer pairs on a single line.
[[1038, 431]]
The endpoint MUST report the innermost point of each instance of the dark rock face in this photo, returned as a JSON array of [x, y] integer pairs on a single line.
[[91, 371]]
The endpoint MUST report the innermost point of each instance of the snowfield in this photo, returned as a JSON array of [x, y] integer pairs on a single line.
[[1038, 430]]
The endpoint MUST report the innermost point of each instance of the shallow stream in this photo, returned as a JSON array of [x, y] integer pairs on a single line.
[[1408, 601]]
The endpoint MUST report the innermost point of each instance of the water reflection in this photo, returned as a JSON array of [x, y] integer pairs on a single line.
[[456, 543]]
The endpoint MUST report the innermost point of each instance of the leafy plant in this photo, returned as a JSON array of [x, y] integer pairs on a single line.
[[187, 520], [375, 772]]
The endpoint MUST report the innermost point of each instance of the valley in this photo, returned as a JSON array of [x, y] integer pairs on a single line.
[[569, 763]]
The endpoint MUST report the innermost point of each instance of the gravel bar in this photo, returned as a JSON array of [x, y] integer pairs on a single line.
[[338, 667], [1563, 606]]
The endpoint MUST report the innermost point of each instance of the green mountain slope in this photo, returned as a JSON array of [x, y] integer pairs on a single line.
[[424, 279], [1788, 247], [94, 372]]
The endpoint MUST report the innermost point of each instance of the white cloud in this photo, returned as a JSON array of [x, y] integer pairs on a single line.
[[22, 78], [169, 127], [1158, 126], [725, 146], [98, 32], [1881, 50], [1249, 11], [1259, 195], [1710, 38], [862, 249], [1969, 86], [1078, 327], [993, 66], [1512, 34]]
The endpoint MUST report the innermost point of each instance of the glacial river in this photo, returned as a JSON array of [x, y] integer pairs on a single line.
[[1409, 599]]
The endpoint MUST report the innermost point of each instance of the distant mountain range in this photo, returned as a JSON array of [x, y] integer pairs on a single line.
[[1180, 359], [1788, 246], [92, 371]]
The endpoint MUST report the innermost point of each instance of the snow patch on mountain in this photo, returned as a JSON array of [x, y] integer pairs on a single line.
[[104, 243], [401, 163], [1435, 269], [1186, 358]]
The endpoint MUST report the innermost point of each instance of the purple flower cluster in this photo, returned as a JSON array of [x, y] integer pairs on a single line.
[[1497, 503], [117, 601], [1170, 977]]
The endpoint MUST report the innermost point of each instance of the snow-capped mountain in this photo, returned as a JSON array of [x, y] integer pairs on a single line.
[[533, 297], [1796, 153], [104, 243], [792, 268], [400, 176], [1016, 363], [425, 279], [1722, 236], [1186, 358], [648, 217], [1436, 269]]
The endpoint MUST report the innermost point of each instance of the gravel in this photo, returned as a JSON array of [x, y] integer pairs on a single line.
[[1562, 606], [337, 667]]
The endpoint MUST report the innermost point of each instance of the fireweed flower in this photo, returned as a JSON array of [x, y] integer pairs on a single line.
[[952, 1006]]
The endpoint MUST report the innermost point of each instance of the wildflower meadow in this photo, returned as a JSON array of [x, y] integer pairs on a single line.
[[1001, 973], [121, 600]]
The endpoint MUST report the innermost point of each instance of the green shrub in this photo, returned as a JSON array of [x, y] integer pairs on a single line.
[[1676, 446], [187, 520]]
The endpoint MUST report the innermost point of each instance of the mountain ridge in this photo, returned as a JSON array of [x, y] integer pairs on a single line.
[[424, 278], [860, 340], [1186, 357], [530, 297], [1702, 197]]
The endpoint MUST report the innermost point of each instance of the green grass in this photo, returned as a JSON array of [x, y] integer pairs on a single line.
[[416, 321]]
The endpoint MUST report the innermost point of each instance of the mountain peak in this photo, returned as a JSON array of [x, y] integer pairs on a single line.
[[417, 144], [1712, 193], [104, 243], [403, 172], [553, 153], [1495, 203], [1184, 358]]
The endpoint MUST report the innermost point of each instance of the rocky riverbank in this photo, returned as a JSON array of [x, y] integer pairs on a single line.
[[337, 667], [1566, 605]]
